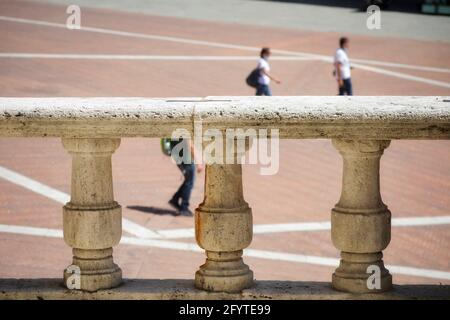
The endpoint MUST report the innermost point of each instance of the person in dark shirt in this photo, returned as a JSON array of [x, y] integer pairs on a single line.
[[185, 162]]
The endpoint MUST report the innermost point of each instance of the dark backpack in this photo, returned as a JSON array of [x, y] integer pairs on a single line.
[[253, 77]]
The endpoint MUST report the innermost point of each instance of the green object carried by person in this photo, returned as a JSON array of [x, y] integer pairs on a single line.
[[166, 147]]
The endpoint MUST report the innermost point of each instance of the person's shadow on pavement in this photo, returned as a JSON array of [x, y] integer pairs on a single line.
[[154, 210]]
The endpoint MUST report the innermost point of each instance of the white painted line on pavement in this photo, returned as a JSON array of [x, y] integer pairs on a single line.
[[289, 227], [401, 65], [34, 185], [230, 46], [16, 55], [31, 231], [402, 75], [138, 230], [419, 272], [254, 253], [132, 34], [420, 221], [61, 197], [310, 226], [257, 229], [178, 233]]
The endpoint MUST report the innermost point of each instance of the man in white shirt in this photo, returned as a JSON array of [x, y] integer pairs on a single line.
[[264, 78], [342, 68]]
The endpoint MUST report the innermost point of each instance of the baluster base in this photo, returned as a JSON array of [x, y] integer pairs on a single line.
[[354, 272], [96, 268], [224, 272]]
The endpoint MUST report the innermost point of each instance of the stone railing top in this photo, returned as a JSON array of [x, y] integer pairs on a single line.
[[361, 117]]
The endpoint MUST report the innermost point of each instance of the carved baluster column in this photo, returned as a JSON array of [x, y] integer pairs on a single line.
[[92, 219], [224, 227], [360, 221]]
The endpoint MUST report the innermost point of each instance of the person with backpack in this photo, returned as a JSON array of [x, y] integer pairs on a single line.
[[342, 68], [185, 161], [260, 77]]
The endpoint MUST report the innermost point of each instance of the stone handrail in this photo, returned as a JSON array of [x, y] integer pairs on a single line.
[[360, 128], [295, 117]]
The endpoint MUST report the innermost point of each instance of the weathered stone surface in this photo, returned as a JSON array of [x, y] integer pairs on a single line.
[[92, 220], [296, 117], [361, 128], [332, 117], [148, 289], [94, 117], [360, 221], [223, 227]]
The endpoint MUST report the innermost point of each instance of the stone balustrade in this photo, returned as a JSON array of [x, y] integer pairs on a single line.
[[359, 127]]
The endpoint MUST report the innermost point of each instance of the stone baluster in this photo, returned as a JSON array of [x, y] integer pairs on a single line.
[[360, 221], [92, 219], [224, 227]]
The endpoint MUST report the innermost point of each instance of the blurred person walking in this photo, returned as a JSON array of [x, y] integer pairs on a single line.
[[260, 77], [342, 68]]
